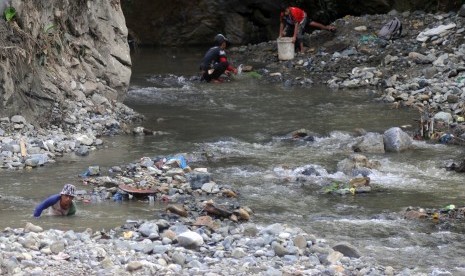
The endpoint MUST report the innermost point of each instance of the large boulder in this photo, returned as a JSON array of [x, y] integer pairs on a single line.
[[396, 140]]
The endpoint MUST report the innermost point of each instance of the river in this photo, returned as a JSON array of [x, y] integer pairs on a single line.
[[241, 125]]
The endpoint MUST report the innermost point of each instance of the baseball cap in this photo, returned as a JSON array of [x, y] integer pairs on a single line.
[[219, 38]]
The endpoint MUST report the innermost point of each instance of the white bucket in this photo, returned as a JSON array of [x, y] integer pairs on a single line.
[[285, 48]]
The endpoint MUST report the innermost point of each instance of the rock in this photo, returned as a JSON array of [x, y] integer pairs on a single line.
[[18, 119], [370, 143], [57, 247], [82, 151], [32, 228], [190, 239], [85, 139], [396, 140], [133, 266], [425, 35], [149, 229], [210, 187], [177, 209], [444, 117], [197, 180], [334, 257], [412, 214], [279, 249], [348, 250], [300, 241]]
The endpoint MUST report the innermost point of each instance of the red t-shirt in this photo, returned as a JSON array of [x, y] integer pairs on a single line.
[[296, 14]]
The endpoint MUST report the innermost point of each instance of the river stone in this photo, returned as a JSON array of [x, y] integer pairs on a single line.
[[36, 160], [18, 119], [238, 253], [443, 116], [190, 239], [107, 263], [133, 266], [82, 151], [178, 258], [149, 229], [371, 143], [210, 187], [279, 249], [32, 228], [347, 249], [250, 230], [85, 140], [57, 247], [396, 140], [197, 180], [300, 241], [273, 229], [334, 257]]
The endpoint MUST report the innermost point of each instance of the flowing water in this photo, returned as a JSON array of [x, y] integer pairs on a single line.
[[241, 126]]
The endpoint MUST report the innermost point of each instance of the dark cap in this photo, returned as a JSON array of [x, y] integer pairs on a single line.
[[219, 39]]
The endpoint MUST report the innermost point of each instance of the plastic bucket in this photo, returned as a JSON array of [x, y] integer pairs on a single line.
[[285, 48]]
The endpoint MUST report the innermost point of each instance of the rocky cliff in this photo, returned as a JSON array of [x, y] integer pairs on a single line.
[[245, 21], [56, 50]]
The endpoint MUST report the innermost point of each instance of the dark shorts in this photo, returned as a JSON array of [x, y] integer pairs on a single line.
[[289, 29], [218, 70]]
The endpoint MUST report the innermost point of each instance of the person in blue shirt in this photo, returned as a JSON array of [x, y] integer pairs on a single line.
[[60, 204]]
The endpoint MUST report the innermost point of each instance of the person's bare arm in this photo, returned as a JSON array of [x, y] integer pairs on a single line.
[[321, 26], [281, 29]]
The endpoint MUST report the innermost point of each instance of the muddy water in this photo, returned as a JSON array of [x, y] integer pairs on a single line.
[[241, 125]]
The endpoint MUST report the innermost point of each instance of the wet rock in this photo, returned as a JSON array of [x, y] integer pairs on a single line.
[[348, 250], [197, 180], [370, 143], [82, 151], [396, 140]]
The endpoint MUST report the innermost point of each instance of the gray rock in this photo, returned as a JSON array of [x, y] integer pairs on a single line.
[[82, 151], [149, 229], [18, 119], [396, 140], [57, 247], [370, 143], [197, 180], [279, 249], [133, 266], [348, 250], [190, 239]]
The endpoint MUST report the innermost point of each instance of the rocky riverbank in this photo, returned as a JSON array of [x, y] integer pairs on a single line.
[[423, 69], [417, 70], [204, 231], [162, 247]]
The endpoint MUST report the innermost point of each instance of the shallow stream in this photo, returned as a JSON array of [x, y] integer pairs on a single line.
[[241, 125]]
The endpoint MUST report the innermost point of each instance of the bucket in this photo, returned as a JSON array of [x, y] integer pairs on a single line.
[[285, 48]]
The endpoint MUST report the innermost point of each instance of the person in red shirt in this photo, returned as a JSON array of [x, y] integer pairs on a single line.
[[293, 23], [215, 62]]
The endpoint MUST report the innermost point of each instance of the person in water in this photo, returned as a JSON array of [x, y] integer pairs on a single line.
[[215, 63], [60, 204], [293, 21]]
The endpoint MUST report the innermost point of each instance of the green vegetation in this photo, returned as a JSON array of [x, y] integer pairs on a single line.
[[10, 13], [254, 75]]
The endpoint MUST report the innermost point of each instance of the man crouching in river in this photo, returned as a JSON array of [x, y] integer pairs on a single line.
[[60, 204]]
